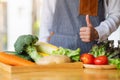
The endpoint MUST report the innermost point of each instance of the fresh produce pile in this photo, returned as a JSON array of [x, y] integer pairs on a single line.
[[103, 54], [29, 51]]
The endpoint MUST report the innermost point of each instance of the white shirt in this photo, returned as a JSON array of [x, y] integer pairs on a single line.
[[109, 25]]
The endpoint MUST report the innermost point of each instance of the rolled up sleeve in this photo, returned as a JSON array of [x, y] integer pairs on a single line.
[[46, 18], [112, 21]]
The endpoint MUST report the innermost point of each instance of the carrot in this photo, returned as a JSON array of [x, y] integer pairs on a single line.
[[14, 60]]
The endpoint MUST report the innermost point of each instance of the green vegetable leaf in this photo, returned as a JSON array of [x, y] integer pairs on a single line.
[[73, 54], [115, 62]]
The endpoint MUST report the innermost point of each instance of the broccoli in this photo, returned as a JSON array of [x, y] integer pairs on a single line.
[[26, 44]]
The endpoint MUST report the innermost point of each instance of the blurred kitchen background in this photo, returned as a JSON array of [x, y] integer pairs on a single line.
[[19, 17]]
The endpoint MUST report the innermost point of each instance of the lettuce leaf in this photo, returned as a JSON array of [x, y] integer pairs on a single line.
[[115, 62], [73, 54]]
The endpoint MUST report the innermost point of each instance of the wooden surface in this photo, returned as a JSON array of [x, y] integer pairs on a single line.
[[22, 69], [68, 74], [99, 66]]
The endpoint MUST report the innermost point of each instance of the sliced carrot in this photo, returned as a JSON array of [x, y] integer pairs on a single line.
[[14, 60]]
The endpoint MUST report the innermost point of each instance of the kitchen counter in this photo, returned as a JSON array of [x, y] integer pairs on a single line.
[[72, 74]]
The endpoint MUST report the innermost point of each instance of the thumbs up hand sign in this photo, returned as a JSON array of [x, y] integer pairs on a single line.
[[88, 33]]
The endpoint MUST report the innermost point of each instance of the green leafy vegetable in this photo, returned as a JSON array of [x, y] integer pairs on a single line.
[[107, 49], [73, 54], [26, 44], [115, 62], [104, 48], [98, 50]]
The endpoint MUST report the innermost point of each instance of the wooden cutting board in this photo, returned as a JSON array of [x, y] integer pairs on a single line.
[[99, 66], [20, 69]]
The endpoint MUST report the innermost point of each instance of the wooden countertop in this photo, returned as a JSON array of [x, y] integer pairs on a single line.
[[72, 74]]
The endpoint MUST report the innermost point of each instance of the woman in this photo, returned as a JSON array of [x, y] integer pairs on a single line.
[[66, 23]]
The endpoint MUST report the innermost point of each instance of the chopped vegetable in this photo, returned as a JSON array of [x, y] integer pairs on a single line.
[[14, 60]]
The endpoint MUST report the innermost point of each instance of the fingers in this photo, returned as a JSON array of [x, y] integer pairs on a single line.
[[85, 40], [85, 35], [88, 22], [85, 30]]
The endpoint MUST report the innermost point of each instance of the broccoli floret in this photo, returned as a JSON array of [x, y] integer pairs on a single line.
[[26, 44]]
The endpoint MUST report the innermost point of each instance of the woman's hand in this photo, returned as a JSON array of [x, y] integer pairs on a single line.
[[88, 33]]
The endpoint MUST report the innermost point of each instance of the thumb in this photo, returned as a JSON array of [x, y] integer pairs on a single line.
[[88, 21]]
